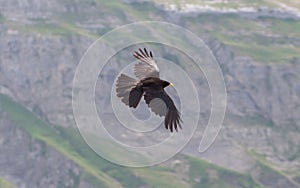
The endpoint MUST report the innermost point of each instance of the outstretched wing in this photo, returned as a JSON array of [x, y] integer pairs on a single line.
[[147, 67], [162, 104]]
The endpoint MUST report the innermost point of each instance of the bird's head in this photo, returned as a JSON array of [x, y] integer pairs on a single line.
[[166, 83]]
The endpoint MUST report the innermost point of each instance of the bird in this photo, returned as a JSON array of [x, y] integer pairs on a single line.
[[147, 84]]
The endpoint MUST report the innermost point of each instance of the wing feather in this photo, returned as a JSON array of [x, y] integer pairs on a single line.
[[147, 67], [162, 104]]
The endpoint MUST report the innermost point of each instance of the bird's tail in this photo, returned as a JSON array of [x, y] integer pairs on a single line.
[[128, 91], [135, 96]]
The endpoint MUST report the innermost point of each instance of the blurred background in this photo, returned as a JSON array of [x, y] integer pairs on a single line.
[[257, 44]]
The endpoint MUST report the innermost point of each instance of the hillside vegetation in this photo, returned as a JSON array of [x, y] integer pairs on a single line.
[[102, 173]]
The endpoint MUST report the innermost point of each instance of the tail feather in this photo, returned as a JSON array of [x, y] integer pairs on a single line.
[[124, 86], [135, 96]]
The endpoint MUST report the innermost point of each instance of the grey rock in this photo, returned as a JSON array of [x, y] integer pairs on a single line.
[[27, 162]]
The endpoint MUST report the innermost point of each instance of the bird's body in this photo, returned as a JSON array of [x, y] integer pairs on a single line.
[[150, 86], [153, 83]]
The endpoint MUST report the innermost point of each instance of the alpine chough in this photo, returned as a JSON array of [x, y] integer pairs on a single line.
[[149, 85]]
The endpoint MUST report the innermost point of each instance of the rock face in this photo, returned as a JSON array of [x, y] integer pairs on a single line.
[[36, 73], [256, 89], [38, 69], [22, 10], [269, 91], [262, 112], [26, 162]]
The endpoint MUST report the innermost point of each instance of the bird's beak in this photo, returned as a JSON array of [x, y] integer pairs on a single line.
[[171, 84]]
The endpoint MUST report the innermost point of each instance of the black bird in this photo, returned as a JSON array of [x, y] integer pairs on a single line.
[[150, 86]]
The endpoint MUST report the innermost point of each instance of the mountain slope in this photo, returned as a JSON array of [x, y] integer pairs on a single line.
[[42, 42], [100, 172]]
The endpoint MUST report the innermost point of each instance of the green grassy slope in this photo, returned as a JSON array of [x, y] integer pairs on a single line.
[[5, 184], [101, 172], [265, 40]]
